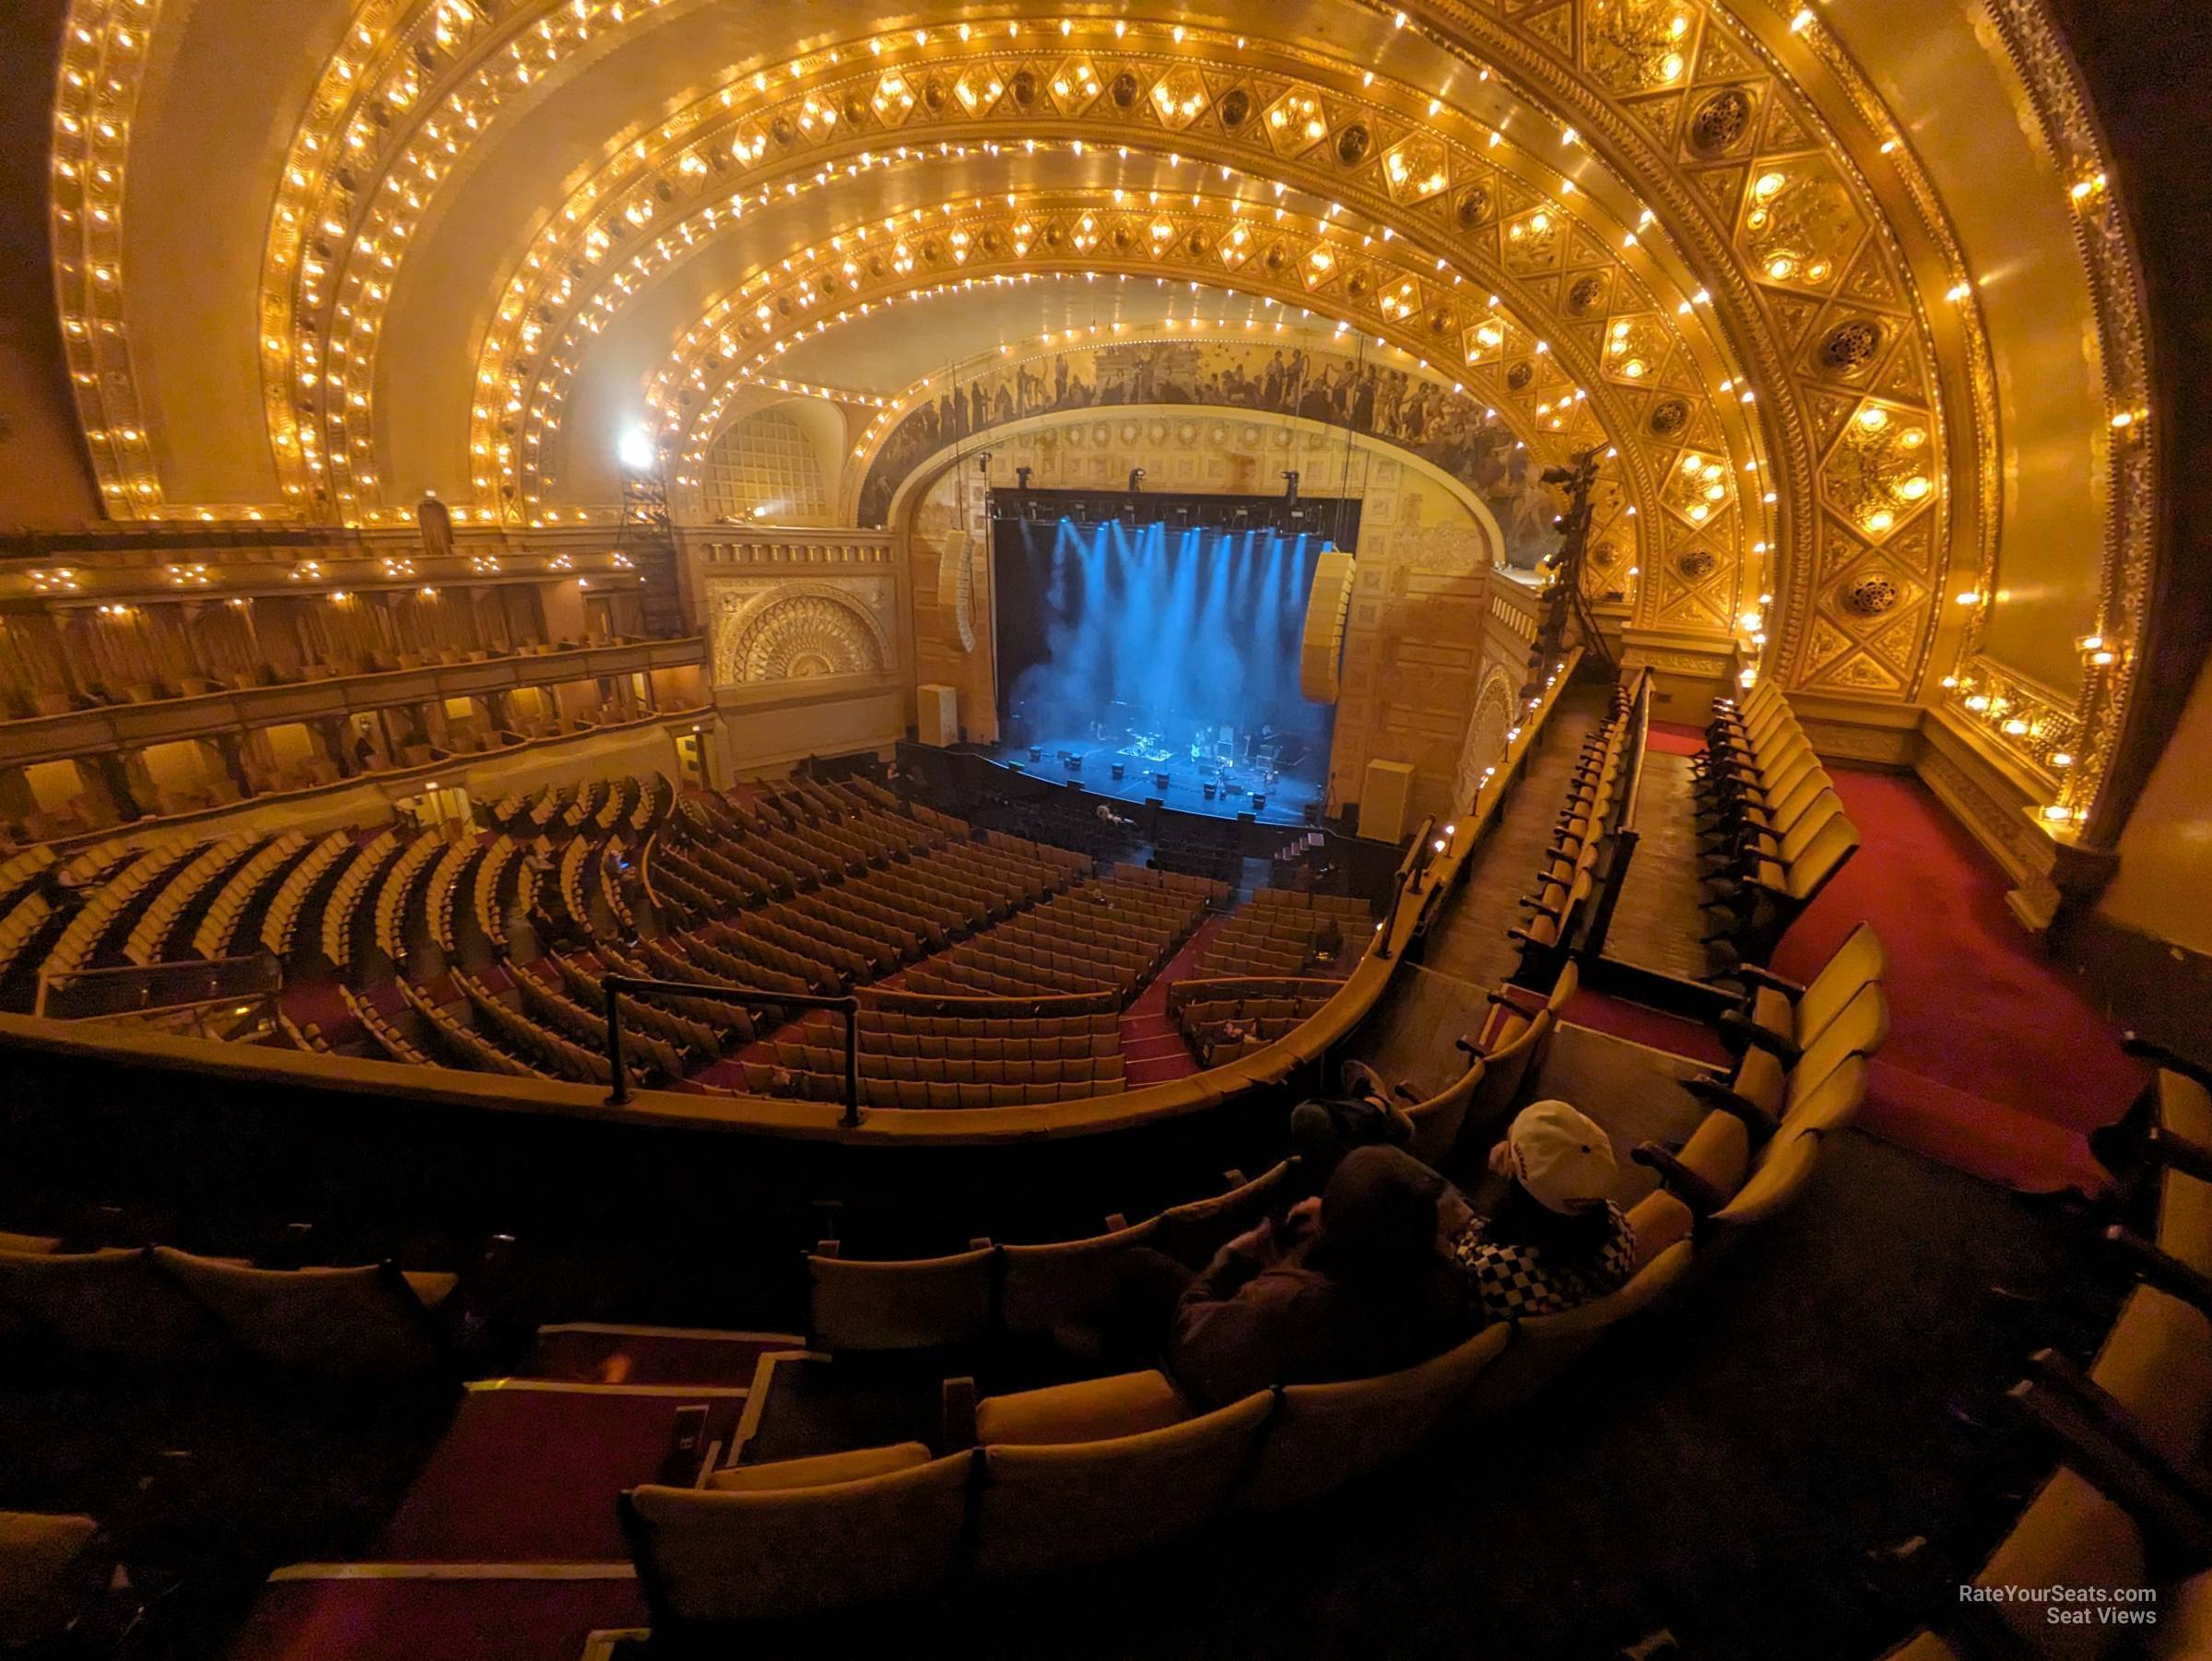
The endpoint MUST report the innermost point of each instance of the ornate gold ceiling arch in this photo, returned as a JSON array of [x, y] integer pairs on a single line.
[[1545, 392], [1689, 106], [661, 198]]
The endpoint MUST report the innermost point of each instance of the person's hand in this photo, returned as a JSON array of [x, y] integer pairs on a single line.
[[1302, 1221], [1255, 1242]]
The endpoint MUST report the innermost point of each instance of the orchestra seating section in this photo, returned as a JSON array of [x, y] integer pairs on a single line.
[[1283, 932], [994, 967], [1222, 1018]]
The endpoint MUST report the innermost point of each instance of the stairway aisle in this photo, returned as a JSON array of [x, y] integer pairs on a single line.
[[1468, 941], [1152, 1048], [506, 1546]]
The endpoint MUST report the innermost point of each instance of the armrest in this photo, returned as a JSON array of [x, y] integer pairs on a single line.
[[1405, 1092], [1523, 1000], [2158, 1054], [1679, 1180], [2147, 1493], [2192, 1158], [2163, 1270], [956, 1415], [2119, 1422], [1529, 902], [1752, 974], [1734, 1024], [1467, 1046], [1719, 1096], [1525, 938]]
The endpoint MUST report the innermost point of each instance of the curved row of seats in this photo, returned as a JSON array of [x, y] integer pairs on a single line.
[[233, 918], [1774, 830], [1222, 1019], [1285, 932], [280, 925], [182, 895], [356, 879], [1109, 935], [157, 1308], [1069, 1474], [113, 905]]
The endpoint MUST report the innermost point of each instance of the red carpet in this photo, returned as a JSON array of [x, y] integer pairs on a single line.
[[1152, 1049], [1673, 738], [1654, 1029], [434, 1620], [1995, 1062], [531, 1476]]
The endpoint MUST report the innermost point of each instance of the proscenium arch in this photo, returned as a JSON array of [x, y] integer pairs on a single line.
[[1341, 349], [1579, 420], [928, 471]]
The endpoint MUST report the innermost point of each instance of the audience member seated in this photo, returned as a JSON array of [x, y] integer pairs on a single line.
[[1350, 1285], [1556, 1240]]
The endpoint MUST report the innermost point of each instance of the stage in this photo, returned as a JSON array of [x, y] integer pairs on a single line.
[[1175, 650], [1288, 788]]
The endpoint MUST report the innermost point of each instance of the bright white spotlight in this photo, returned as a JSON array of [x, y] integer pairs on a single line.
[[635, 448]]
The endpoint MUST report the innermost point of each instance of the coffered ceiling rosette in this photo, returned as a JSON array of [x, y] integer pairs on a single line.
[[1694, 235]]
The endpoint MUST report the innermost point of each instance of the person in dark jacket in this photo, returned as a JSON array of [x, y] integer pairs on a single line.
[[1354, 1283]]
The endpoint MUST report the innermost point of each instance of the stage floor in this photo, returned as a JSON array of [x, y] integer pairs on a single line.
[[1288, 796]]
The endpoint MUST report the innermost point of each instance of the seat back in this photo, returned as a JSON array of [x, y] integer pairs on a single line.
[[1326, 1435], [917, 1303], [715, 1555], [2157, 1363], [2070, 1536], [1822, 857], [112, 1305], [1437, 1122], [1859, 962], [1500, 1086], [1192, 1233], [1545, 1344], [1719, 1151], [1051, 1506], [2185, 1218], [1785, 1166], [1040, 1285], [329, 1323], [1794, 790], [1831, 1105], [45, 1580], [1859, 1029]]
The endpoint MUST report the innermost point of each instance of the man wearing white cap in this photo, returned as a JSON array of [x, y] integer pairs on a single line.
[[1557, 1240]]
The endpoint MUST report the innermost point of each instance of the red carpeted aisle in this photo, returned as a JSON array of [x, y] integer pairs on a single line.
[[1152, 1049], [1995, 1062], [381, 1619]]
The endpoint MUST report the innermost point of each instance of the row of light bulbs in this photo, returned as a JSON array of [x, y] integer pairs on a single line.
[[1434, 104]]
